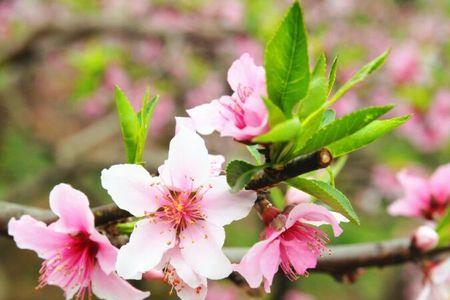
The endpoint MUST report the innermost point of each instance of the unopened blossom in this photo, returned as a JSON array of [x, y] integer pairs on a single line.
[[425, 238], [243, 115], [77, 258], [183, 209], [423, 197], [292, 241]]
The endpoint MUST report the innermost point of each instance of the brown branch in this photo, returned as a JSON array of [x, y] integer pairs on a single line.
[[343, 258], [298, 166], [73, 29]]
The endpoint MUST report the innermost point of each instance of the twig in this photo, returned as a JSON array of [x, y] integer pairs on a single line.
[[301, 165]]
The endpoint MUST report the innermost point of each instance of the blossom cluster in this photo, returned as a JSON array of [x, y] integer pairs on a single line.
[[181, 214]]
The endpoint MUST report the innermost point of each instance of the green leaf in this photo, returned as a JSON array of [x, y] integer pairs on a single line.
[[332, 77], [327, 194], [284, 131], [239, 173], [360, 76], [253, 149], [126, 228], [343, 127], [129, 124], [443, 229], [286, 62], [318, 90], [309, 128], [328, 116], [275, 114], [144, 117], [365, 136], [277, 197]]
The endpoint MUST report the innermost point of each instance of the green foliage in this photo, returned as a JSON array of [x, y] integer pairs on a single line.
[[365, 136], [332, 77], [126, 228], [275, 114], [443, 229], [327, 194], [253, 149], [239, 173], [343, 127], [281, 132], [134, 125], [360, 76], [318, 90], [286, 62], [277, 197]]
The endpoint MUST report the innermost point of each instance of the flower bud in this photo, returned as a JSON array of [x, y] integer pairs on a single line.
[[425, 238]]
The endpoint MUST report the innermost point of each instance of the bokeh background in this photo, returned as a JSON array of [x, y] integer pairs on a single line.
[[60, 59]]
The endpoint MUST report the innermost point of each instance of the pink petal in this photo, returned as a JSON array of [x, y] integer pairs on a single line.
[[112, 287], [296, 196], [301, 257], [416, 188], [148, 243], [184, 271], [201, 245], [188, 165], [216, 164], [440, 183], [31, 234], [206, 117], [269, 262], [72, 208], [183, 122], [130, 187], [404, 207], [243, 72], [222, 207], [188, 293], [312, 212], [107, 253], [250, 265]]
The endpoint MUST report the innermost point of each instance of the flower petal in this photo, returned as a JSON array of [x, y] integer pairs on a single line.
[[250, 265], [28, 233], [188, 165], [312, 212], [72, 208], [244, 73], [130, 187], [112, 287], [222, 207], [148, 243], [269, 262], [107, 253], [440, 183], [201, 245], [206, 117], [184, 271]]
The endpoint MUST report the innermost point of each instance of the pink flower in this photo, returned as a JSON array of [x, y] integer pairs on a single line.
[[436, 282], [404, 64], [294, 245], [242, 115], [427, 198], [425, 238], [296, 196], [183, 209], [76, 256], [296, 295]]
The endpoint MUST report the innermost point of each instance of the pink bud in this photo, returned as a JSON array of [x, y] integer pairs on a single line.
[[425, 238]]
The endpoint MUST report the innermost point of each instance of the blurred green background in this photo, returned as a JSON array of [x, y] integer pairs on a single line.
[[60, 59]]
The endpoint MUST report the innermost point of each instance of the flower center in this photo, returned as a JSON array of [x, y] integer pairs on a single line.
[[435, 210], [172, 278], [180, 209], [71, 266]]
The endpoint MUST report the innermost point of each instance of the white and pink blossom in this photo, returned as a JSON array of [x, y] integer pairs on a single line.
[[242, 115], [183, 212], [77, 258]]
